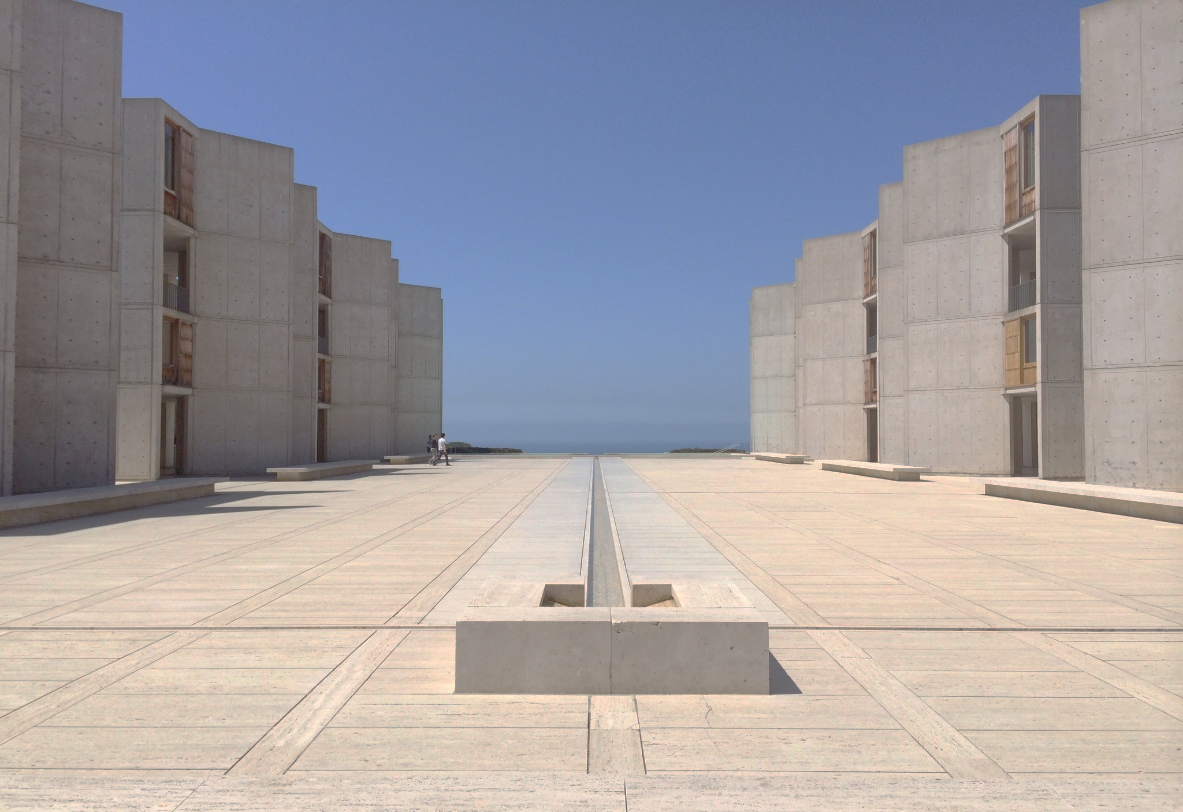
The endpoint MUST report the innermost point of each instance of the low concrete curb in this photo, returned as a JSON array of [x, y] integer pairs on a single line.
[[321, 470], [35, 508], [788, 459], [1140, 504], [406, 459], [879, 470]]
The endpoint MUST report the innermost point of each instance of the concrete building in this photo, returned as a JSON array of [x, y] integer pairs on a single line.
[[59, 265], [253, 335], [1132, 172], [171, 303], [973, 296]]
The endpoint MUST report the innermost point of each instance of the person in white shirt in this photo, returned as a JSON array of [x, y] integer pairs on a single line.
[[443, 449]]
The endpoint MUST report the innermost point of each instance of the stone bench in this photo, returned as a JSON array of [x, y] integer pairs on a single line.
[[1135, 502], [789, 459], [407, 459], [880, 470], [34, 508], [321, 470]]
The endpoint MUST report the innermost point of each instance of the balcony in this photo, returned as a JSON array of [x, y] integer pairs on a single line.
[[1021, 295], [322, 345], [176, 297], [872, 345]]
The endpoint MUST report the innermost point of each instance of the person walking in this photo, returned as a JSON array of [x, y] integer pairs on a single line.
[[443, 450], [433, 449]]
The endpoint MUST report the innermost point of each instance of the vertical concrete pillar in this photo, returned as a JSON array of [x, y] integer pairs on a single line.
[[10, 166]]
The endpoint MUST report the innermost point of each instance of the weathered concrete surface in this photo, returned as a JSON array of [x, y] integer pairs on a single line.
[[1141, 504], [880, 470], [34, 508], [321, 470]]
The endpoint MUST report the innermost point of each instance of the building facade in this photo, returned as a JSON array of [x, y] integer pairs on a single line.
[[1017, 310], [172, 304]]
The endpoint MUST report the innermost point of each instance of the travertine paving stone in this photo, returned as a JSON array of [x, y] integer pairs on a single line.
[[95, 682]]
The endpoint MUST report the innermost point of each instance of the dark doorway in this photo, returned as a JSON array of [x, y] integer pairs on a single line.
[[172, 437], [322, 435], [872, 435]]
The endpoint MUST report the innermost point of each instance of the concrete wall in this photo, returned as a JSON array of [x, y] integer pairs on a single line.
[[893, 347], [420, 366], [954, 284], [773, 324], [302, 355], [361, 419], [10, 165], [1132, 196], [67, 290], [241, 281], [1058, 269], [831, 346]]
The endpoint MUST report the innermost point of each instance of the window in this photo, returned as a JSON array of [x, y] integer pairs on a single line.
[[325, 281], [872, 330], [178, 173], [177, 353], [870, 381], [1028, 341], [1019, 171], [1021, 351], [322, 330], [1027, 137], [170, 156], [323, 382], [870, 263]]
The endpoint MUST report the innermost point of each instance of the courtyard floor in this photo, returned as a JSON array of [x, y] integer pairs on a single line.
[[291, 645]]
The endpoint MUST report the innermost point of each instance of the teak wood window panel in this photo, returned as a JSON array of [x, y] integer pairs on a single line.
[[870, 263], [1021, 365], [870, 381], [178, 172], [325, 273], [177, 365], [1019, 165], [324, 393]]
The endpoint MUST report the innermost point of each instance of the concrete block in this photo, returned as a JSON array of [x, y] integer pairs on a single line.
[[1133, 502], [320, 470], [88, 200], [534, 651], [689, 651], [1163, 286], [899, 473], [18, 511], [1162, 168], [788, 459], [1114, 209], [1118, 317]]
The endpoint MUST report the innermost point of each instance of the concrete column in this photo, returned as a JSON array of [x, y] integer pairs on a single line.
[[10, 166]]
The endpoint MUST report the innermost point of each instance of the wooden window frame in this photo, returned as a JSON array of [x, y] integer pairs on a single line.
[[178, 200], [1019, 371], [325, 265], [870, 262], [324, 381]]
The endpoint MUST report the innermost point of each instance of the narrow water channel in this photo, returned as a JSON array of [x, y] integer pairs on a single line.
[[603, 578]]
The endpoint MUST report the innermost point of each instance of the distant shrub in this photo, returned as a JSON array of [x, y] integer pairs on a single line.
[[467, 448], [704, 450]]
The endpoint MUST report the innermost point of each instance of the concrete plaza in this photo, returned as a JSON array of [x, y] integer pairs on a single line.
[[290, 645]]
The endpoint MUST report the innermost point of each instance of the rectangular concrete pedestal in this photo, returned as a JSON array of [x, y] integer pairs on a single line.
[[612, 651]]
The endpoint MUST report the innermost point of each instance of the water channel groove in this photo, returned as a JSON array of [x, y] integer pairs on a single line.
[[603, 577]]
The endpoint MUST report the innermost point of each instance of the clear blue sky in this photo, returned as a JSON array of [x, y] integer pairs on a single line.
[[597, 186]]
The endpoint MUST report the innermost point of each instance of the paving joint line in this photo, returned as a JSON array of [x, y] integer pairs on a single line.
[[116, 592], [476, 550], [149, 544], [943, 743], [343, 558], [950, 599], [1097, 592]]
